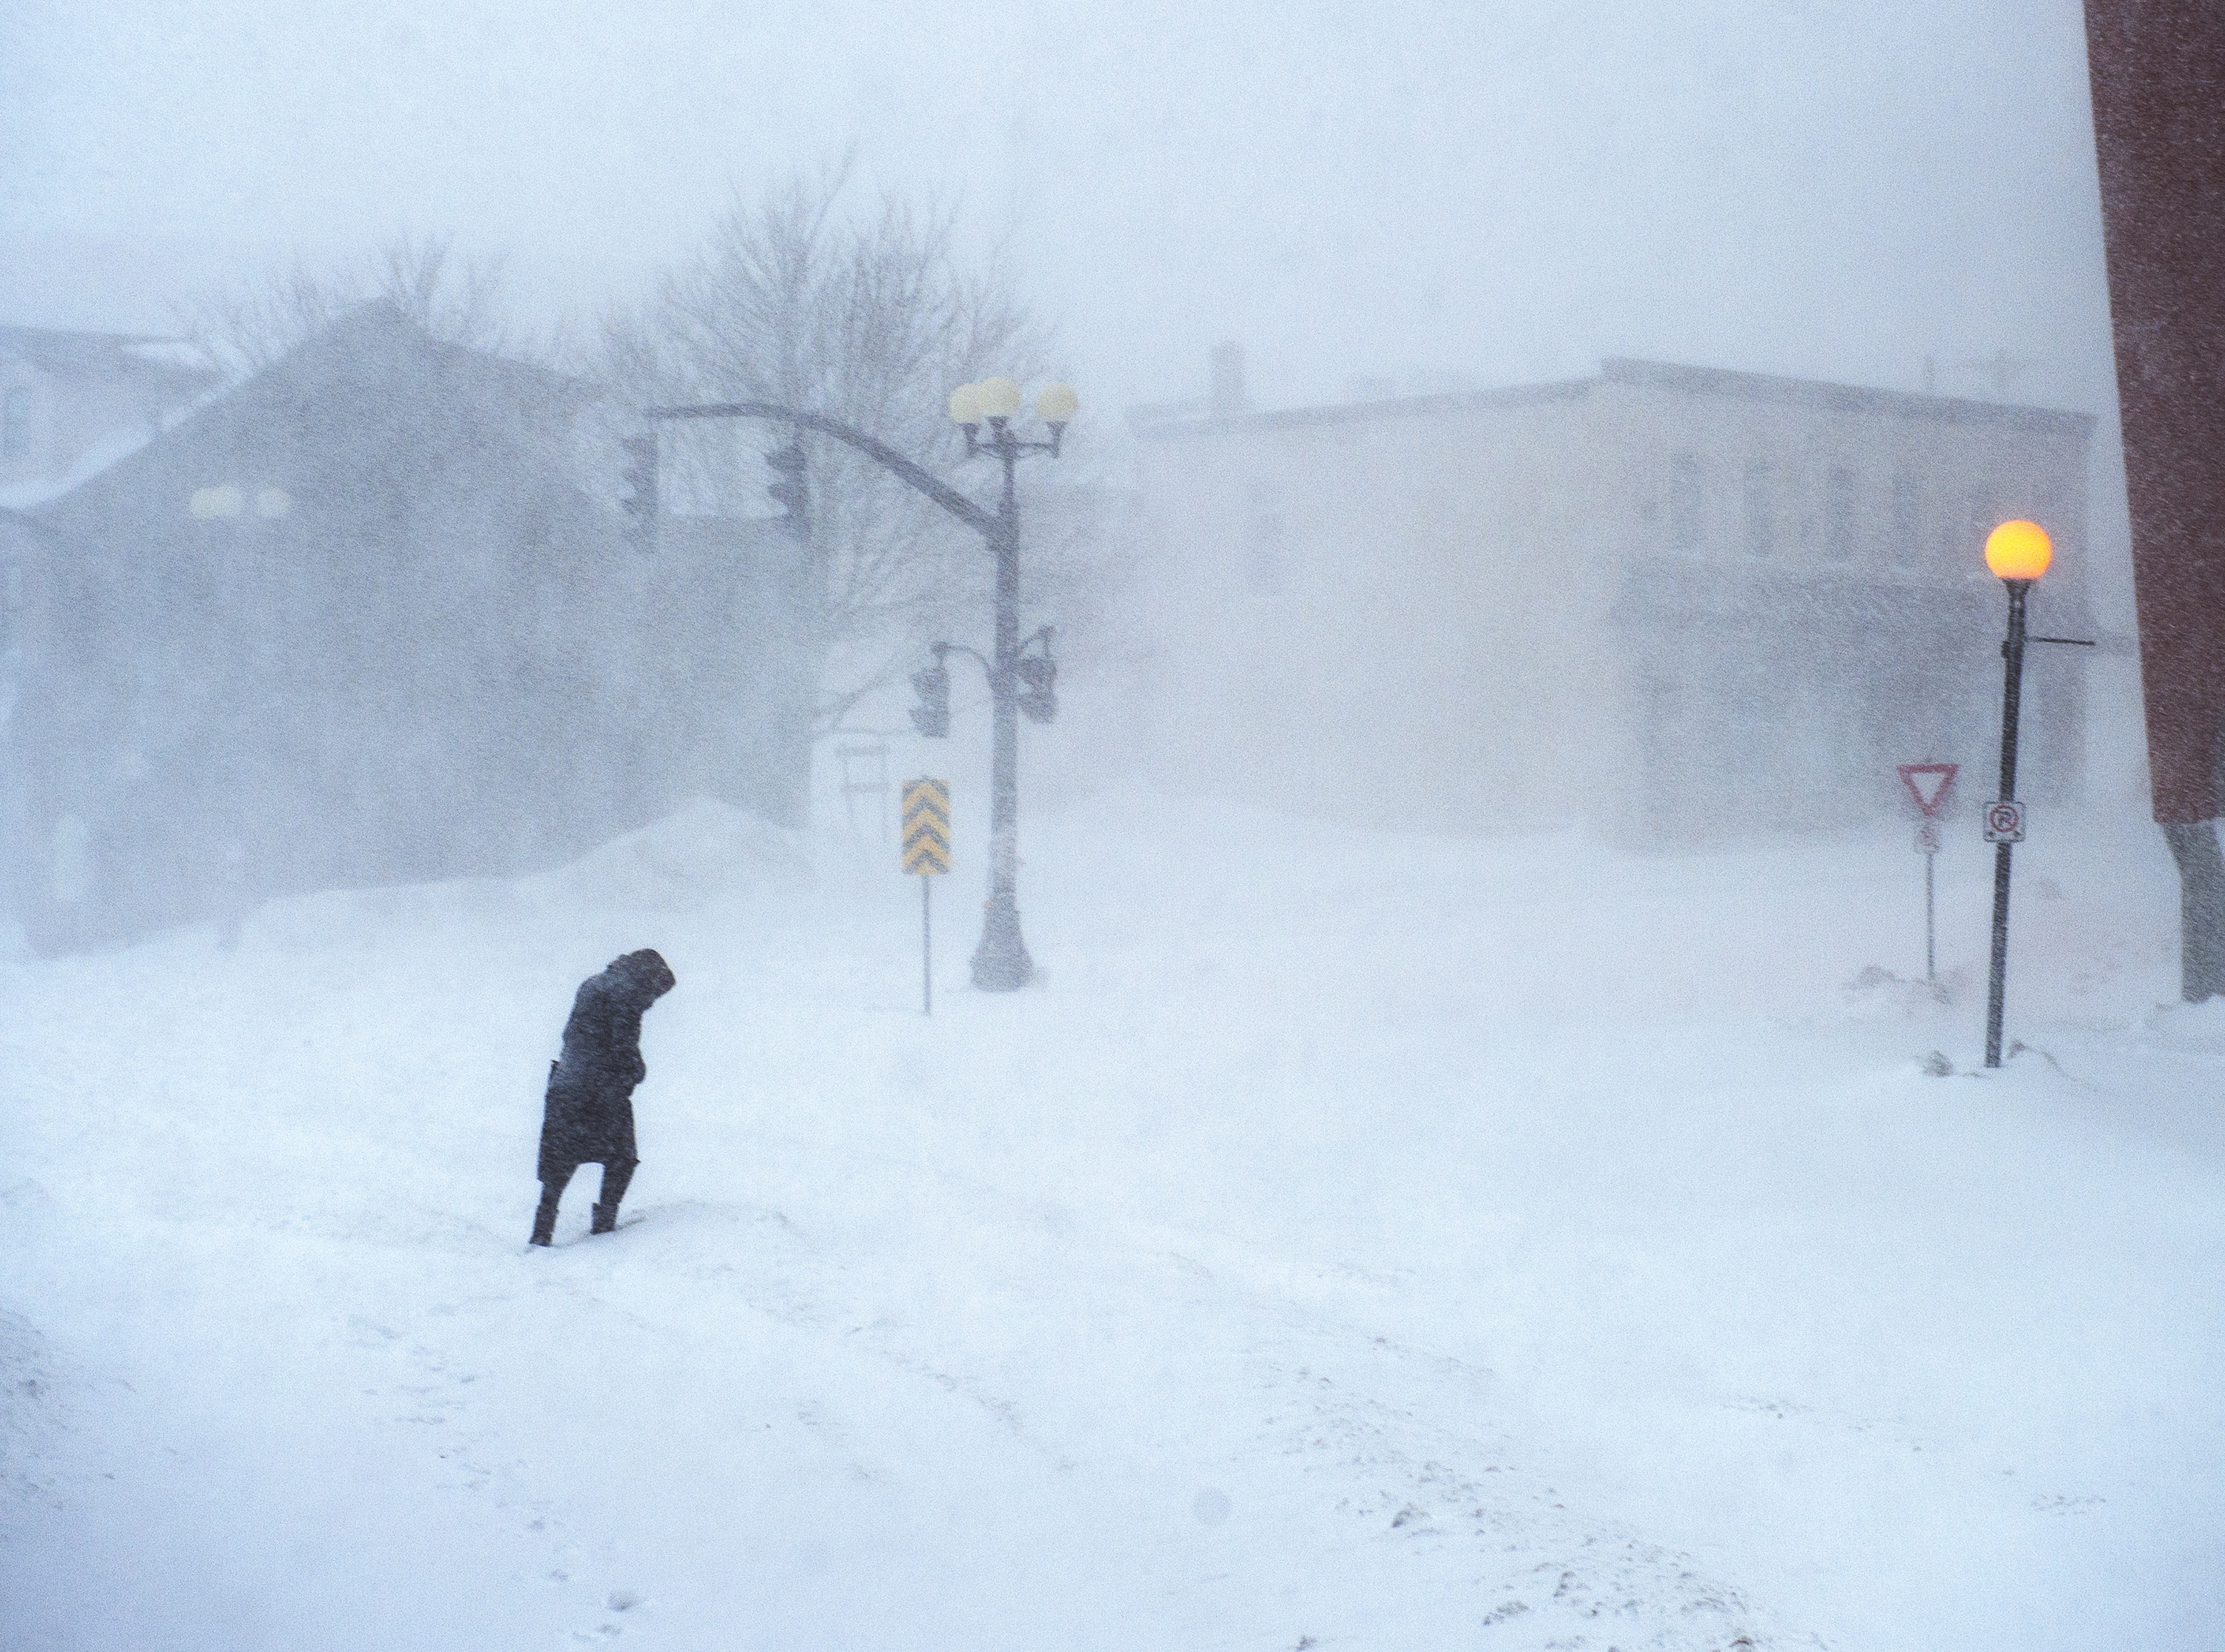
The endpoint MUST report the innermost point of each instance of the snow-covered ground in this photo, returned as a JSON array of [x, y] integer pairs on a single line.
[[1356, 1241]]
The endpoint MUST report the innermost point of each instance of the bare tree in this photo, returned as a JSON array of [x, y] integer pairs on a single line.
[[243, 329], [871, 316]]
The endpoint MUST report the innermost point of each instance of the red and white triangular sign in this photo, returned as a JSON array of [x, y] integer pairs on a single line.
[[1929, 784]]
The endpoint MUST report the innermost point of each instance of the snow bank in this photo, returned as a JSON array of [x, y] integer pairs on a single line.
[[706, 854]]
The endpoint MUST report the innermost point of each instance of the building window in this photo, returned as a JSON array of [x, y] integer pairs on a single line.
[[1968, 550], [1760, 507], [15, 422], [1687, 502], [1838, 508], [72, 863], [1907, 514], [1262, 561]]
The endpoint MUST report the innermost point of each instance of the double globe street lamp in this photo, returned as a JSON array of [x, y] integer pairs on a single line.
[[1018, 680]]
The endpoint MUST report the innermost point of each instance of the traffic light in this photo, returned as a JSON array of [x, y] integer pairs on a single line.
[[1039, 699], [641, 477], [790, 489], [931, 716]]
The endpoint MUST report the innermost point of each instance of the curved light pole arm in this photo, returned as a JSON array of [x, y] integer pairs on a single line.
[[987, 670], [942, 493], [1001, 962]]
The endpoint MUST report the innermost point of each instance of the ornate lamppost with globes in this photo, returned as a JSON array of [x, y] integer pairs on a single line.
[[1018, 680]]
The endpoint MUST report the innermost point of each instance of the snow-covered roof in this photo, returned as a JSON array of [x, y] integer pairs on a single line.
[[83, 355], [171, 352], [1171, 420], [366, 326], [100, 455]]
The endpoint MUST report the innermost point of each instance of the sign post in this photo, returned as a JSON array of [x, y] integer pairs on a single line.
[[1929, 784], [927, 853]]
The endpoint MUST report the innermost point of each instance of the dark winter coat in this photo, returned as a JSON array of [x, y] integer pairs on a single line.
[[588, 1118]]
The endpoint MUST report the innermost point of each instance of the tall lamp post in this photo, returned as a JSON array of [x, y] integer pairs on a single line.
[[1001, 961], [1018, 680], [2017, 553]]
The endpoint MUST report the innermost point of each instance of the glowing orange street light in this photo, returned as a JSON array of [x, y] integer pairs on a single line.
[[2019, 550]]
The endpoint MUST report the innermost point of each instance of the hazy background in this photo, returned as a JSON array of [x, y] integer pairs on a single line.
[[1505, 190], [1491, 191]]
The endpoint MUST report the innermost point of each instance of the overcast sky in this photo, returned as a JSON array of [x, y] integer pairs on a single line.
[[1507, 189]]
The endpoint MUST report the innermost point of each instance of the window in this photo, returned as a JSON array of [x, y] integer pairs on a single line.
[[1760, 507], [72, 862], [1907, 514], [12, 607], [1839, 526], [1687, 502], [2052, 514], [1263, 563], [15, 422], [1979, 520]]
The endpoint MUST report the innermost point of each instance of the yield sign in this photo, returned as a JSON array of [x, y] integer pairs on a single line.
[[1929, 784]]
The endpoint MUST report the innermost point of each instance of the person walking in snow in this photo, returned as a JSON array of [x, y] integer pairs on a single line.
[[588, 1116]]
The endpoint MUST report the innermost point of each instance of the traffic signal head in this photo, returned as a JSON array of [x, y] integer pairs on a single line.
[[789, 487], [640, 475], [931, 716], [1039, 699]]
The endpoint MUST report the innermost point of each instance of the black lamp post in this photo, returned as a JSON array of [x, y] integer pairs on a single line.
[[1001, 962], [1018, 680], [2018, 553], [2004, 828]]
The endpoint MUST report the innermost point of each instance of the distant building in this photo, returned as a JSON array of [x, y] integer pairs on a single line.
[[71, 399], [355, 621], [1669, 603]]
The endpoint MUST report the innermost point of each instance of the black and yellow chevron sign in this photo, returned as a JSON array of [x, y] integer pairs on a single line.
[[927, 827]]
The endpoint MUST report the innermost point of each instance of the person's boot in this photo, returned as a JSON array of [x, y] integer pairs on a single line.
[[544, 1222], [616, 1174]]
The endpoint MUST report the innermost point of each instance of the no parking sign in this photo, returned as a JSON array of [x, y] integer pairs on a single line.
[[2004, 822]]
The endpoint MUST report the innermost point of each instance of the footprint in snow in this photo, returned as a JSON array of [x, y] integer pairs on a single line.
[[620, 1602]]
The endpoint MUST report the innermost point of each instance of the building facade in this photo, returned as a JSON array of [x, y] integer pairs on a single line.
[[1669, 604], [356, 621]]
